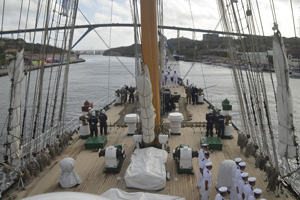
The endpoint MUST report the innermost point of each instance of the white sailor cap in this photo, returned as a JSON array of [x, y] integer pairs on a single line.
[[263, 199], [238, 160], [257, 191], [252, 179], [244, 174], [242, 164], [208, 164], [206, 152], [210, 111], [90, 108], [223, 189], [204, 145]]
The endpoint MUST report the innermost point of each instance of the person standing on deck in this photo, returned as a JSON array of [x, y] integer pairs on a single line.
[[241, 184], [123, 95], [103, 122], [221, 125], [163, 79], [202, 167], [257, 193], [169, 80], [210, 123], [223, 193], [201, 152], [233, 194], [206, 181], [237, 177], [131, 94], [169, 70], [93, 121], [188, 91], [175, 79], [248, 189], [195, 93]]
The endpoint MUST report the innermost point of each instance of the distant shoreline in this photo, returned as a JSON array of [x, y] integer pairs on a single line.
[[4, 72]]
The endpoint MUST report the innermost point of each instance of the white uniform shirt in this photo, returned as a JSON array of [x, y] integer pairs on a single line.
[[175, 76], [234, 168], [203, 162], [206, 177], [248, 191], [241, 184], [201, 155], [219, 197], [168, 77], [169, 69], [238, 176]]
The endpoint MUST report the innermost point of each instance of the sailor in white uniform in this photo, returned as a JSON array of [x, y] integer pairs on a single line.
[[241, 184], [223, 193], [257, 193], [201, 152], [248, 189], [202, 167], [235, 167], [169, 80], [175, 79], [163, 79], [206, 181], [169, 69], [239, 172]]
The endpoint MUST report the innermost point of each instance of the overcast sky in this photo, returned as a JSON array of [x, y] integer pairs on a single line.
[[176, 13]]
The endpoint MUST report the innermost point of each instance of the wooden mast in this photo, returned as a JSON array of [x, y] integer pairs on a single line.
[[150, 51]]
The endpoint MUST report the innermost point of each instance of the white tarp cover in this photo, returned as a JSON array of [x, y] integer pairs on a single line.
[[66, 196], [144, 89], [147, 169], [116, 194], [225, 174], [68, 177], [284, 99], [15, 72]]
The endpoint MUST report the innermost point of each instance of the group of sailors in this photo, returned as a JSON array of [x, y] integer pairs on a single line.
[[123, 92], [93, 122], [217, 120], [166, 79], [192, 93], [240, 190]]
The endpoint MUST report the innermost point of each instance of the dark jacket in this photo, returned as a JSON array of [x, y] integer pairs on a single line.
[[103, 118]]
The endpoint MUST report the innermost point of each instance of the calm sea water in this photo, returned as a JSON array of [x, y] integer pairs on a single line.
[[90, 81]]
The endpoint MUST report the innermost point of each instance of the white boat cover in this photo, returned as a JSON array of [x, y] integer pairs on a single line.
[[66, 196], [144, 89], [116, 194], [15, 72], [147, 169], [68, 177], [225, 174], [286, 147]]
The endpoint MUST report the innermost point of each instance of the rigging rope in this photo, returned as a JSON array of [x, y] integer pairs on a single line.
[[109, 56]]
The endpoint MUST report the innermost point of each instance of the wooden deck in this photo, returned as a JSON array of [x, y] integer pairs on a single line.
[[90, 167]]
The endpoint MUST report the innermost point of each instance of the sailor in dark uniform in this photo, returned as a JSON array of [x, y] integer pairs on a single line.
[[210, 123], [221, 125], [103, 123], [131, 96], [223, 193], [195, 92], [93, 121]]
